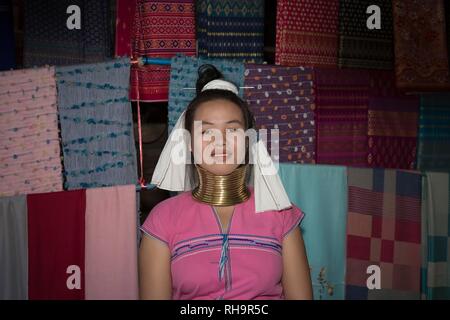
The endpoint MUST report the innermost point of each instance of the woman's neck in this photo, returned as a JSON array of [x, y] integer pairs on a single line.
[[222, 190]]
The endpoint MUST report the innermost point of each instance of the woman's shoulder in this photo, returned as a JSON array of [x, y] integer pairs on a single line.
[[172, 204]]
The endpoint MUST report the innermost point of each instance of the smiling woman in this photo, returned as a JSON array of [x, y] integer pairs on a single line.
[[215, 241]]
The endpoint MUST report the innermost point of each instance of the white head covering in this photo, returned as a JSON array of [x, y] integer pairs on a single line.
[[175, 175]]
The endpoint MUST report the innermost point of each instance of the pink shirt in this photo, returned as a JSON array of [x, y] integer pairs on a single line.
[[207, 262]]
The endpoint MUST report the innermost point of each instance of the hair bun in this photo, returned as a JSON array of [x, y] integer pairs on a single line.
[[206, 73]]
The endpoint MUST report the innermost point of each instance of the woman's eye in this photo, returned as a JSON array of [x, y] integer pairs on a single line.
[[232, 129], [207, 131]]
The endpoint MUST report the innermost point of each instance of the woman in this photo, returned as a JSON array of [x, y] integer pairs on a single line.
[[210, 243]]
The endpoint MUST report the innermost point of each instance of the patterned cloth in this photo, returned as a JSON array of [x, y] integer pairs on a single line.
[[421, 58], [360, 47], [125, 13], [162, 28], [7, 54], [307, 33], [96, 125], [47, 40], [321, 191], [392, 132], [184, 74], [56, 245], [231, 29], [341, 118], [384, 229], [282, 98], [434, 133], [14, 248], [29, 145], [436, 236]]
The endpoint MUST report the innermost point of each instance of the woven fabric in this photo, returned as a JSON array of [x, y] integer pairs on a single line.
[[307, 33], [392, 132], [384, 229], [421, 57], [162, 28], [282, 98], [342, 98], [359, 46], [125, 13], [29, 148], [434, 133], [48, 41], [231, 29], [96, 125], [436, 236]]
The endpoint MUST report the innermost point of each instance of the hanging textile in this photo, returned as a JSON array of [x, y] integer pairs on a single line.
[[29, 145], [383, 229], [111, 250], [321, 193], [96, 124], [13, 248], [56, 224], [184, 74], [125, 13], [282, 98], [161, 29], [421, 57], [307, 33], [49, 41], [359, 46], [392, 132], [436, 236], [341, 116], [7, 54], [231, 29], [434, 133]]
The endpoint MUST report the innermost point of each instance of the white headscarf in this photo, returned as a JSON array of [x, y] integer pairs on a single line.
[[174, 175]]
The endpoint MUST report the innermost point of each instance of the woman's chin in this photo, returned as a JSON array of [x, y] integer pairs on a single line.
[[220, 169]]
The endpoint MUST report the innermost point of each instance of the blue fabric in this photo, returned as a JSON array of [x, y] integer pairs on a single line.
[[96, 125], [184, 74], [320, 191]]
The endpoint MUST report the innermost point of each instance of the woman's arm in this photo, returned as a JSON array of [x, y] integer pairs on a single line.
[[155, 282], [296, 279]]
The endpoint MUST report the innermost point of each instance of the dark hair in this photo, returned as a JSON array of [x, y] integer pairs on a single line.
[[207, 73]]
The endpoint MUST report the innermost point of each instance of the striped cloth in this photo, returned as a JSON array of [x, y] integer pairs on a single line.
[[307, 33], [359, 46], [184, 74], [434, 133], [421, 57], [384, 229], [321, 192], [436, 236], [392, 132], [96, 124], [48, 40], [231, 29], [29, 146], [282, 98], [162, 28], [341, 117]]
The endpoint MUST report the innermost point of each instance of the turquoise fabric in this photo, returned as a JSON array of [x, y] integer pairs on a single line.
[[320, 191]]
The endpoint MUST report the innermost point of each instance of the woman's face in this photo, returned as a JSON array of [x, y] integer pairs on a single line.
[[218, 136]]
